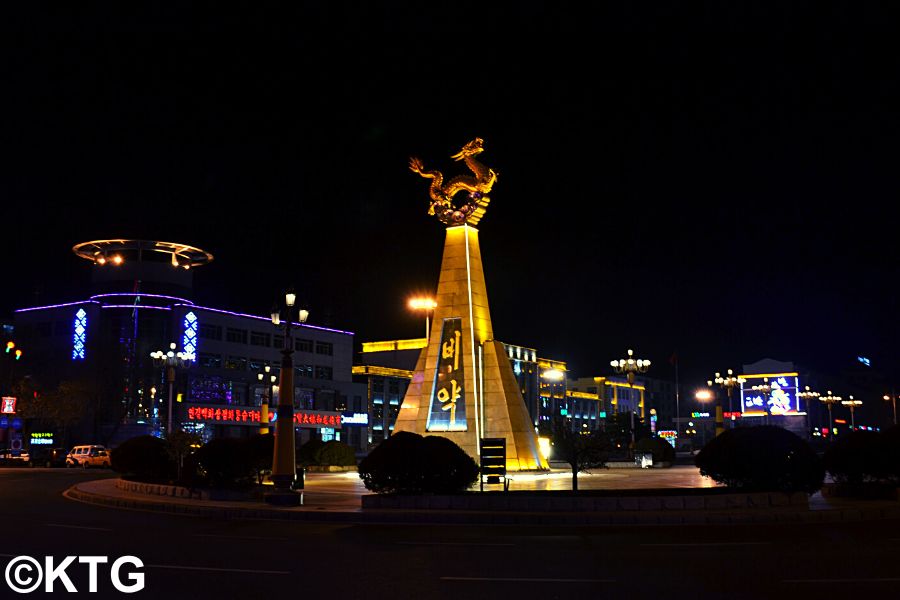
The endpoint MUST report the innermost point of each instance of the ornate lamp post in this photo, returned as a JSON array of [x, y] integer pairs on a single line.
[[729, 382], [808, 397], [268, 380], [765, 389], [284, 461], [427, 305], [171, 361], [852, 404], [629, 366], [893, 400], [830, 400]]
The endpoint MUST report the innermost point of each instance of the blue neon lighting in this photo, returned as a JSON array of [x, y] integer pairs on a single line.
[[80, 335], [189, 340]]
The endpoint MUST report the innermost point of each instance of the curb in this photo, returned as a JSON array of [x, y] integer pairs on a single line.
[[407, 516]]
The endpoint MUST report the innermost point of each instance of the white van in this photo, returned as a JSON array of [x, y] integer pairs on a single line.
[[88, 456]]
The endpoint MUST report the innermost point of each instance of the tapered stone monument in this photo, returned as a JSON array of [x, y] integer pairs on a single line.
[[463, 387]]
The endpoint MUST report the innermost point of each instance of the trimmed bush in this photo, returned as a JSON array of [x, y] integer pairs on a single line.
[[144, 458], [763, 458], [335, 454], [661, 449], [226, 463], [261, 449], [408, 463], [859, 457]]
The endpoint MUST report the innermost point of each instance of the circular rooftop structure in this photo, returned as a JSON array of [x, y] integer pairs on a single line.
[[119, 252]]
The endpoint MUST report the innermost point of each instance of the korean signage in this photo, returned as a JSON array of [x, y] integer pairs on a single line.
[[448, 399], [8, 406], [668, 435], [315, 419], [41, 438]]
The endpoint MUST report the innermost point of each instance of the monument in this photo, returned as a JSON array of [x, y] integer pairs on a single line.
[[463, 387]]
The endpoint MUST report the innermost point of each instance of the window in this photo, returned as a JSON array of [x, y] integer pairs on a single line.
[[325, 348], [278, 341], [210, 332], [304, 371], [238, 363], [211, 361], [236, 336], [393, 386], [301, 345], [257, 364], [260, 339], [357, 403], [324, 372]]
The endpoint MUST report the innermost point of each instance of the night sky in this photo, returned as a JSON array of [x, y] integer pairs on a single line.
[[720, 183]]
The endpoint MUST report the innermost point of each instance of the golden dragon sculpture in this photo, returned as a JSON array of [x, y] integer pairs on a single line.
[[477, 186]]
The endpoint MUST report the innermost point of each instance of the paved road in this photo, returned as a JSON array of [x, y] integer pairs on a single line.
[[198, 558]]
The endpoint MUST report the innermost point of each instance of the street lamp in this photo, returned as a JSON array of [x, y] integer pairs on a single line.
[[268, 380], [284, 462], [893, 400], [852, 404], [830, 400], [171, 361], [765, 389], [630, 366], [729, 382], [427, 305], [808, 397]]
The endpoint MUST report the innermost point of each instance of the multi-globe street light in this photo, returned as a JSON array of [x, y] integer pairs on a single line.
[[629, 366], [830, 400], [808, 397], [729, 382], [268, 380], [171, 361], [765, 389], [284, 461], [852, 404]]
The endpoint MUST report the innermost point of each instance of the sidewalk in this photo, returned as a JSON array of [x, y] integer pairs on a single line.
[[325, 506]]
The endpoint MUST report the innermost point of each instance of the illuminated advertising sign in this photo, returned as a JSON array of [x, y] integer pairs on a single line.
[[359, 419], [780, 399], [8, 406], [312, 419], [699, 415], [669, 435], [448, 399], [41, 438]]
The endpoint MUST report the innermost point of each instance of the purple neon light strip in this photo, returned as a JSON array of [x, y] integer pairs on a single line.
[[135, 306], [237, 314], [55, 306], [132, 295]]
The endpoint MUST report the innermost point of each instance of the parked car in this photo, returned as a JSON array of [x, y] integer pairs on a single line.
[[88, 456], [41, 456]]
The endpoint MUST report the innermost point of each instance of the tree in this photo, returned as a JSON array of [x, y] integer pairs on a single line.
[[618, 428], [582, 451], [60, 408], [181, 444]]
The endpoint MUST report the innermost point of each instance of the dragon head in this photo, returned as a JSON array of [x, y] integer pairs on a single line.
[[471, 149]]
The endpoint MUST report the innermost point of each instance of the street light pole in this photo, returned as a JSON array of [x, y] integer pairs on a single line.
[[171, 361], [267, 380], [728, 382], [808, 396], [765, 388], [427, 305], [830, 400], [284, 460], [852, 404], [630, 366], [893, 400]]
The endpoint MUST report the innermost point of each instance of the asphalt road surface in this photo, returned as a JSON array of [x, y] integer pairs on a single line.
[[199, 558]]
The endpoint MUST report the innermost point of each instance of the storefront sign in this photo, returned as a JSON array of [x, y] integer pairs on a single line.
[[41, 438], [699, 415], [8, 406], [360, 419], [314, 419]]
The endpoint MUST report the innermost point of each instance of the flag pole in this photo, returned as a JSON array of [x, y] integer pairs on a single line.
[[677, 397]]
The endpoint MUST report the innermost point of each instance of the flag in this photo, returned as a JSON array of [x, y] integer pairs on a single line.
[[673, 360]]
